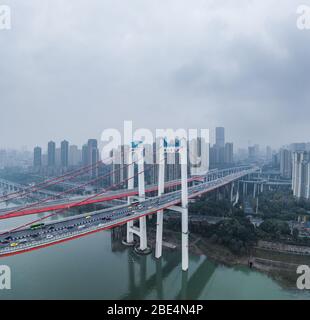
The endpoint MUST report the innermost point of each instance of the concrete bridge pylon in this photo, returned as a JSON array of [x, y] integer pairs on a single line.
[[141, 230]]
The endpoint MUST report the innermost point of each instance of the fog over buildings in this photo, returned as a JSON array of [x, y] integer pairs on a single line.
[[70, 69]]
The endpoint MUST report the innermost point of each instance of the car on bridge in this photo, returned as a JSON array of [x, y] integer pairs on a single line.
[[14, 244]]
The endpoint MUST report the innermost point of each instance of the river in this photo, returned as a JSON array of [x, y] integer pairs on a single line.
[[98, 266]]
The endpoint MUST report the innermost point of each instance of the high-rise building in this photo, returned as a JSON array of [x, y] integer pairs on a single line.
[[229, 153], [37, 157], [85, 155], [64, 154], [252, 153], [276, 160], [58, 157], [93, 156], [51, 154], [268, 154], [220, 137], [120, 158], [217, 155], [298, 147], [286, 163], [301, 175], [199, 154], [75, 156]]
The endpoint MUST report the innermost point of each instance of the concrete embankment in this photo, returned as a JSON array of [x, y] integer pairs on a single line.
[[284, 248]]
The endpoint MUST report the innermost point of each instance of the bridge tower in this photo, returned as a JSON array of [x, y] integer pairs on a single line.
[[254, 190], [161, 190], [181, 148], [137, 149], [237, 195]]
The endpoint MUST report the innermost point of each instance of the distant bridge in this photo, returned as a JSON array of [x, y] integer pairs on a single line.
[[13, 186]]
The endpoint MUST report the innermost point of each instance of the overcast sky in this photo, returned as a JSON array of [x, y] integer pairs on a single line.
[[71, 68]]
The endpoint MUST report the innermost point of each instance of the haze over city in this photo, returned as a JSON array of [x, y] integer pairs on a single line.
[[156, 155], [71, 69]]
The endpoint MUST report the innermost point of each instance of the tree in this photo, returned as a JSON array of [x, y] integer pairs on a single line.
[[295, 233], [275, 228]]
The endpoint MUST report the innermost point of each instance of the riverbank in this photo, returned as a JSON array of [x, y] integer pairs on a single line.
[[281, 266]]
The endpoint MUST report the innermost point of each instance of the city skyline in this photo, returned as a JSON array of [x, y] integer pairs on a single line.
[[156, 152], [80, 143]]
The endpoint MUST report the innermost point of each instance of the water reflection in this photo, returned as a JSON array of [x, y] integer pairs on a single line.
[[192, 284], [100, 267], [141, 286]]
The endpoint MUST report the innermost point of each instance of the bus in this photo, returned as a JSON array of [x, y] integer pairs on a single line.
[[37, 226]]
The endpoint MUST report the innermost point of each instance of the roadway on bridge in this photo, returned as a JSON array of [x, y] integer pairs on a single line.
[[72, 202], [70, 228]]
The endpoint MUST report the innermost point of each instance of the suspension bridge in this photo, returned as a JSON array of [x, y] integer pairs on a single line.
[[39, 234]]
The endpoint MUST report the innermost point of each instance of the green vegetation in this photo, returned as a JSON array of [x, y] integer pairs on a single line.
[[211, 206], [274, 229], [281, 205], [237, 234]]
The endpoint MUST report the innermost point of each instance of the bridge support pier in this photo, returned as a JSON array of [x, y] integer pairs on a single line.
[[183, 152], [132, 230], [141, 185], [161, 190], [234, 188], [245, 189], [130, 238], [254, 190], [232, 185], [183, 209]]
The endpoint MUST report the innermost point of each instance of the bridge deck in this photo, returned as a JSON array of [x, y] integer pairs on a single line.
[[78, 226]]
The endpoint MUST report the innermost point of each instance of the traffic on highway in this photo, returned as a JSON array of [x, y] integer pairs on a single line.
[[45, 234]]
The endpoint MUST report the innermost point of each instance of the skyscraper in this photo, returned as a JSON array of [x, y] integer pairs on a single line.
[[257, 150], [85, 155], [219, 147], [297, 147], [252, 152], [119, 159], [64, 154], [301, 175], [229, 153], [57, 157], [51, 154], [93, 156], [220, 137], [286, 163], [37, 157], [75, 155], [268, 154], [199, 156]]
